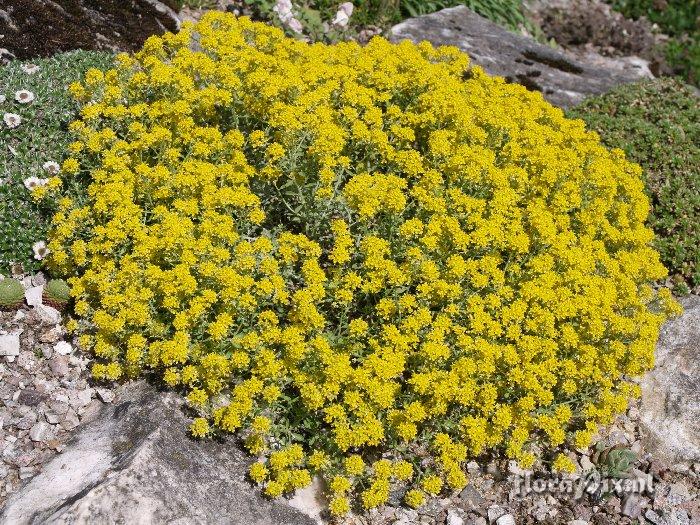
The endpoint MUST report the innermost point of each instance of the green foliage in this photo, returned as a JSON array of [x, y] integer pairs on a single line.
[[11, 293], [675, 17], [383, 13], [657, 124], [58, 291], [615, 462], [39, 138], [507, 13], [678, 18], [684, 55]]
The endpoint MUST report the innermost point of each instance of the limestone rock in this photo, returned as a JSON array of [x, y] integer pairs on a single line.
[[9, 345], [670, 405], [48, 315], [562, 79], [135, 463], [33, 295]]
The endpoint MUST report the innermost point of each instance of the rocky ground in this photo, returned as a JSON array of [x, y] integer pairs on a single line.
[[500, 493], [45, 392], [592, 30], [73, 454]]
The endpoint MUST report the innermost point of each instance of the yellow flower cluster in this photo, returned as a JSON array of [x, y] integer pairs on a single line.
[[340, 251]]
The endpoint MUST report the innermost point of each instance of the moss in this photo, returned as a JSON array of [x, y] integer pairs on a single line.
[[657, 124], [11, 293], [42, 136]]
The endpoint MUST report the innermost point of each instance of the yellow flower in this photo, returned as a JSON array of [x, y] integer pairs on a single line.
[[340, 485], [432, 484], [258, 472], [403, 470], [354, 465], [414, 498], [563, 463], [339, 506], [199, 427]]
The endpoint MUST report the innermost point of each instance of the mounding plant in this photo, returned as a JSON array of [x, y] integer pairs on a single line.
[[371, 263], [11, 294], [56, 293]]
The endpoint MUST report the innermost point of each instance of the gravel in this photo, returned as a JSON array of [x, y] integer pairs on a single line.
[[45, 388]]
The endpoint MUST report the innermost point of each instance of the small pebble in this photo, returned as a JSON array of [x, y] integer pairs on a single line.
[[506, 519]]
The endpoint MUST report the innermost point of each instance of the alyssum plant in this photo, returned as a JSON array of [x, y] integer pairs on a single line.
[[372, 263]]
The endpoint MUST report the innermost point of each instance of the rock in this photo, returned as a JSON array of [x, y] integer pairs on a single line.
[[40, 432], [91, 411], [470, 498], [9, 345], [52, 335], [70, 421], [406, 516], [26, 422], [473, 468], [38, 279], [631, 506], [59, 365], [136, 463], [48, 315], [506, 519], [39, 28], [670, 403], [26, 472], [577, 522], [453, 518], [59, 407], [680, 468], [63, 348], [105, 394], [654, 518], [311, 500], [30, 397], [33, 295], [562, 79], [678, 493], [79, 399], [586, 464], [494, 512]]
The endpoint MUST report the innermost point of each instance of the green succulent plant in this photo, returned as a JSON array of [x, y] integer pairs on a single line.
[[616, 461], [11, 293], [56, 293]]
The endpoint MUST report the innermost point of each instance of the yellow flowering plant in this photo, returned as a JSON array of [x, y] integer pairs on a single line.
[[372, 263]]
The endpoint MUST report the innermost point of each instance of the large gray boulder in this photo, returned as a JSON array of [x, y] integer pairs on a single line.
[[562, 79], [670, 407], [135, 463]]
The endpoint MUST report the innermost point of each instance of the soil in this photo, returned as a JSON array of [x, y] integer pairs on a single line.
[[41, 28], [586, 26]]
